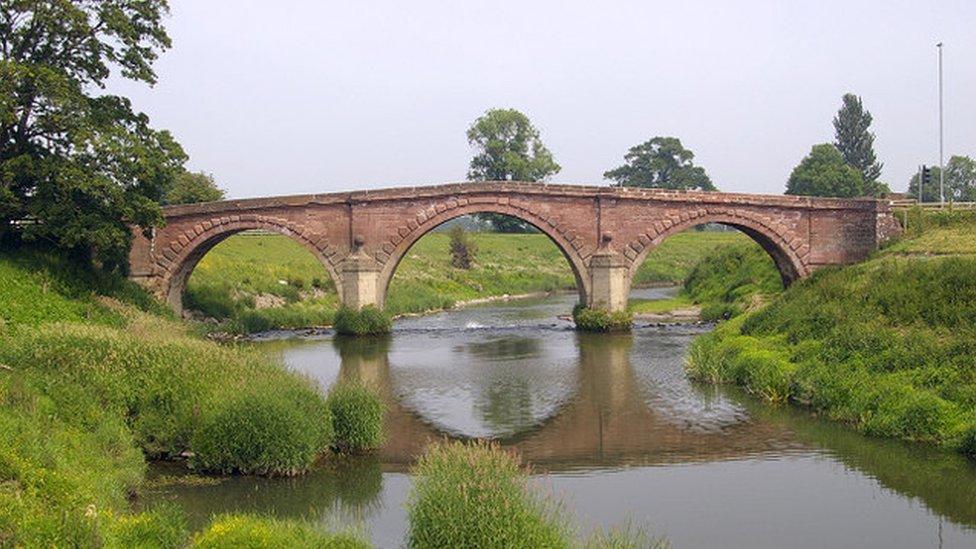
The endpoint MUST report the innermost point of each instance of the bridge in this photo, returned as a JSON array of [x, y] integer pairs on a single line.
[[604, 232]]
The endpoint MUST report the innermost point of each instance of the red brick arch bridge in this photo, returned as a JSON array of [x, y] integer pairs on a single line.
[[604, 232]]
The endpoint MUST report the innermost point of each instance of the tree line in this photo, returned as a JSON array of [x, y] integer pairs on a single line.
[[78, 169]]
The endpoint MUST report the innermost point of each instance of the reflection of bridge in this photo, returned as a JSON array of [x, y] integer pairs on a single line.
[[604, 232], [607, 420]]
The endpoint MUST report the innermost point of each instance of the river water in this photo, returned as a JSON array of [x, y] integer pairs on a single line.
[[612, 427]]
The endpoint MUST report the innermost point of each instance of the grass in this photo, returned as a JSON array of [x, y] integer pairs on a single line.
[[357, 417], [885, 346], [601, 320], [240, 531], [478, 495], [90, 386], [256, 282], [367, 321]]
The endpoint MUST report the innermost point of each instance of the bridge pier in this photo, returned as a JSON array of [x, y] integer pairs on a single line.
[[360, 275], [609, 281]]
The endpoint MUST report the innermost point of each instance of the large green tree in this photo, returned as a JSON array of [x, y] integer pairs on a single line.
[[824, 172], [508, 148], [853, 139], [191, 188], [661, 163], [959, 182], [77, 167]]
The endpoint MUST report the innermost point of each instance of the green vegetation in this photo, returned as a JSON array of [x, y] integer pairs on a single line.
[[239, 531], [476, 495], [601, 320], [357, 417], [366, 321], [672, 260], [91, 386], [885, 346]]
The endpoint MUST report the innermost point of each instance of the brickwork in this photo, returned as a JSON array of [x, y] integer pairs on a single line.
[[800, 233]]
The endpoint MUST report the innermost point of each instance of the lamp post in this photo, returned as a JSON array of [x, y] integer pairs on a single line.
[[941, 157]]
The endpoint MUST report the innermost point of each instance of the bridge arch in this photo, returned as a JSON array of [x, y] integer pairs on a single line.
[[181, 256], [778, 241], [407, 235]]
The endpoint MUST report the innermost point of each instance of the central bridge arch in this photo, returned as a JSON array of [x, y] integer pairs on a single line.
[[409, 237]]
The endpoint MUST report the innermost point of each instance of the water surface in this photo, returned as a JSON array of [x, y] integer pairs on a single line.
[[612, 426]]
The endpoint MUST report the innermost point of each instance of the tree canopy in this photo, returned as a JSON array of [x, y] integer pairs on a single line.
[[193, 187], [960, 182], [853, 139], [508, 148], [661, 163], [75, 167], [824, 172]]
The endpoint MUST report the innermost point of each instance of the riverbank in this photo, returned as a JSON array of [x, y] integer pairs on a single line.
[[258, 282], [885, 346]]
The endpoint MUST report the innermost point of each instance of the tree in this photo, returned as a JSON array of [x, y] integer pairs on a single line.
[[853, 139], [959, 182], [825, 173], [661, 163], [508, 148], [193, 187], [77, 168]]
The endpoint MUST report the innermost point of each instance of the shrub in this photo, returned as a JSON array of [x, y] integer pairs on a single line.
[[462, 248], [240, 531], [476, 495], [601, 320], [357, 417], [366, 321], [266, 432]]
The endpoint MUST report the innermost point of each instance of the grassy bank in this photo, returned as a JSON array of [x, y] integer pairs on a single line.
[[885, 346], [256, 282], [95, 378], [727, 281]]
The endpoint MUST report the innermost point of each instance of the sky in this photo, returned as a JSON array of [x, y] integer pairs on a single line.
[[323, 96]]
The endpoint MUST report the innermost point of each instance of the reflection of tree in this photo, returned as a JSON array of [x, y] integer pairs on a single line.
[[506, 407], [506, 347], [344, 491]]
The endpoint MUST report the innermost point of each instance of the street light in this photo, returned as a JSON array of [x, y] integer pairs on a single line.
[[941, 157]]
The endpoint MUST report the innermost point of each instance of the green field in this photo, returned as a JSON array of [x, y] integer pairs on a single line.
[[262, 281]]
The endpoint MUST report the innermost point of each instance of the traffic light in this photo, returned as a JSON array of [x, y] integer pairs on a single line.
[[926, 175]]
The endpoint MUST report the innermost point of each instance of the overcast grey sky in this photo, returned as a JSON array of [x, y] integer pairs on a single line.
[[325, 96]]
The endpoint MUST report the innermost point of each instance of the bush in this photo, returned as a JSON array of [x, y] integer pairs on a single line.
[[266, 432], [251, 532], [366, 321], [462, 249], [601, 320], [476, 495], [357, 417]]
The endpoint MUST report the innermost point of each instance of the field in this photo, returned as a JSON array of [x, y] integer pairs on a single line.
[[260, 281]]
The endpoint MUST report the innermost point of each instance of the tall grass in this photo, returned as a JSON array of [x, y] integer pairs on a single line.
[[476, 495], [239, 531], [729, 280], [357, 417]]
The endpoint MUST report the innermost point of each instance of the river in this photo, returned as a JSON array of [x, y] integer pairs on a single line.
[[610, 425]]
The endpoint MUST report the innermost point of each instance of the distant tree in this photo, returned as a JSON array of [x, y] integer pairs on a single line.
[[825, 173], [960, 182], [661, 163], [463, 248], [76, 168], [193, 187], [508, 148], [853, 139]]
